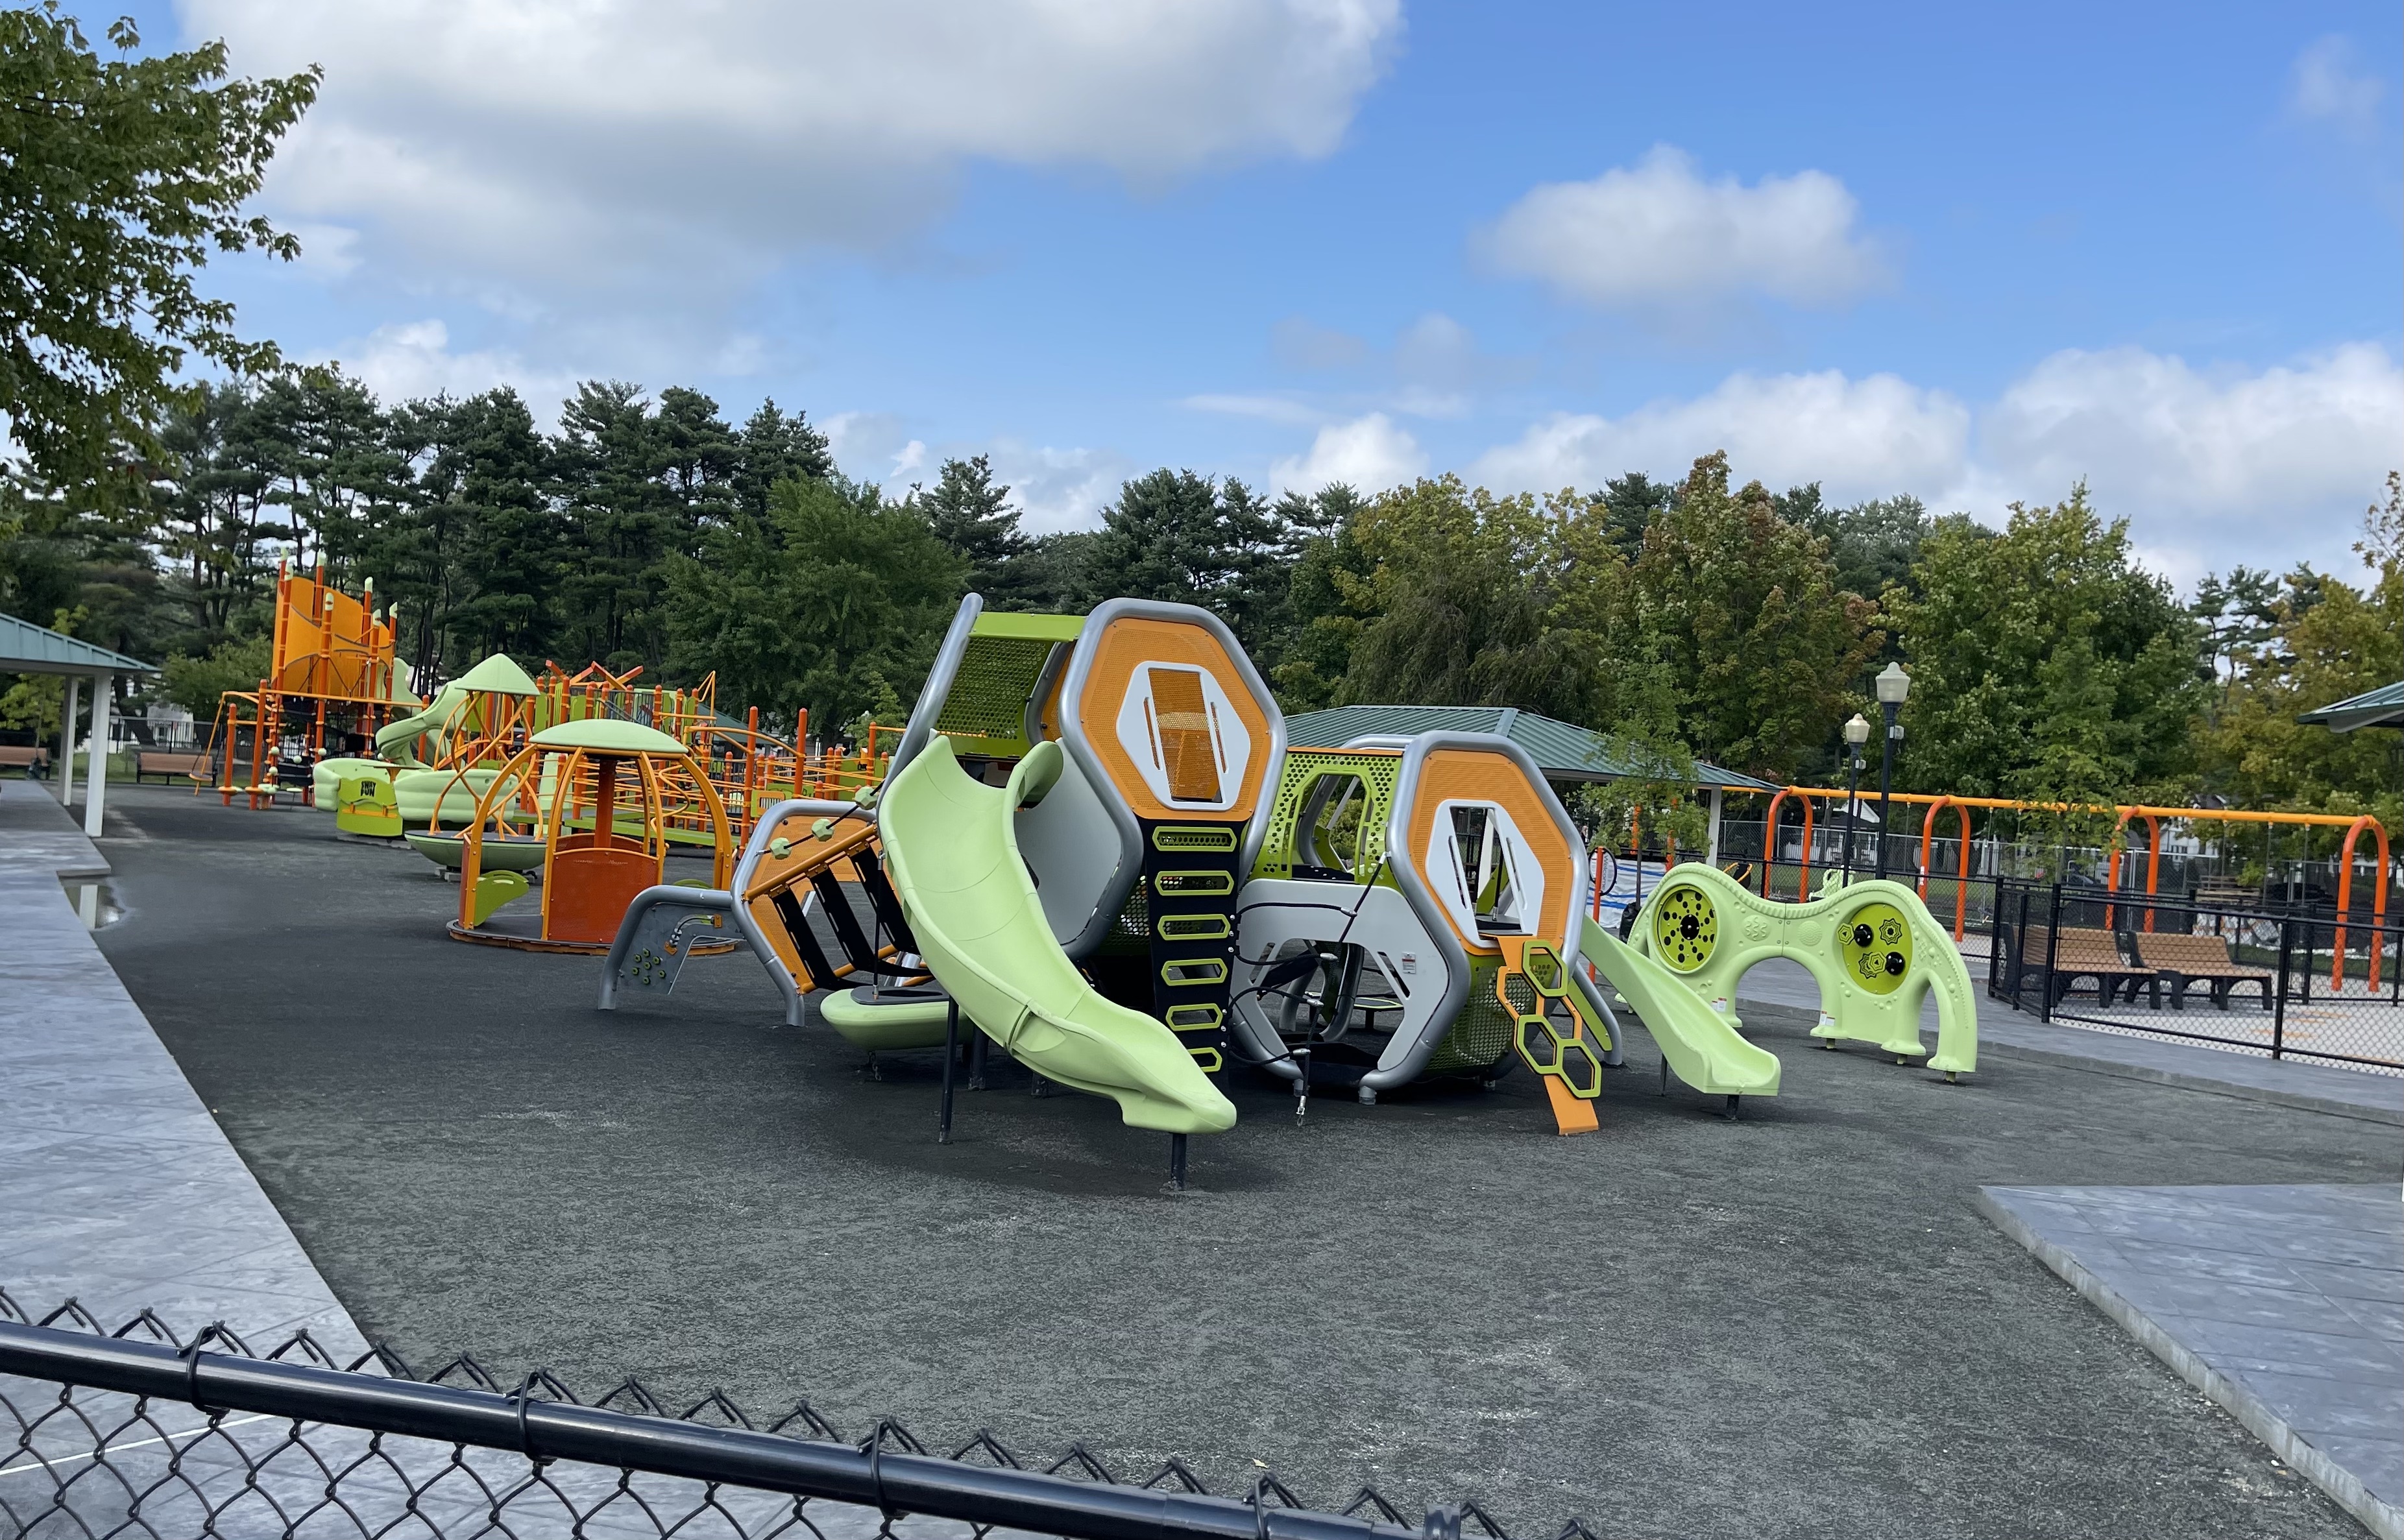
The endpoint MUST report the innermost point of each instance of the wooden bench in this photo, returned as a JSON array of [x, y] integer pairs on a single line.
[[26, 758], [168, 764], [2084, 952], [2184, 960]]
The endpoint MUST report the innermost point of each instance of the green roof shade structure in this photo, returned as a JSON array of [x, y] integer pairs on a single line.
[[498, 674], [1563, 751], [2381, 708], [28, 648], [608, 735]]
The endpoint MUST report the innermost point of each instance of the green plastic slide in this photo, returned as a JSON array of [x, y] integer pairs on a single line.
[[868, 1022], [952, 852], [1697, 1041]]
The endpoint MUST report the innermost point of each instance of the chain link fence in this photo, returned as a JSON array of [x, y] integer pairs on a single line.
[[137, 1433], [2253, 979]]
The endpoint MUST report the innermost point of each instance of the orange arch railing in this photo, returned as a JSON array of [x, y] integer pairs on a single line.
[[1770, 841], [1927, 847], [2345, 898]]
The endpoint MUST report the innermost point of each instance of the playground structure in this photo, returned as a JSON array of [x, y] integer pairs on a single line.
[[602, 798], [331, 673], [1097, 846], [332, 712], [1469, 927], [1871, 945]]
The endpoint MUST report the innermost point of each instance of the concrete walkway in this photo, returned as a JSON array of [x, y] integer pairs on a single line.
[[117, 1187], [119, 1191], [2285, 1304]]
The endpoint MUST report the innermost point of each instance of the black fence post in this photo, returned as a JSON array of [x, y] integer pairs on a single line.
[[2052, 952], [2279, 1007], [951, 1062]]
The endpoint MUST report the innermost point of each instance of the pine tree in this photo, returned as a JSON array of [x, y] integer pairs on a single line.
[[774, 448], [971, 514]]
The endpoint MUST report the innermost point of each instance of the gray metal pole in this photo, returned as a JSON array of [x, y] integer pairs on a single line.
[[1886, 777], [1852, 801]]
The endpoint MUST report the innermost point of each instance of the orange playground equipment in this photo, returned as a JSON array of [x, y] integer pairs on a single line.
[[607, 798], [330, 670], [753, 770]]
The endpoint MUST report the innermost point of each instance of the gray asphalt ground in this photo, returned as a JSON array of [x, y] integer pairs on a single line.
[[1793, 1325]]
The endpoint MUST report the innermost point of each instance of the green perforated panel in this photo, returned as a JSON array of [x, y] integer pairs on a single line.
[[1303, 769], [1481, 1034], [988, 706]]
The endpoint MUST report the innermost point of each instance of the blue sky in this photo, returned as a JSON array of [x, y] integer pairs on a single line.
[[1970, 255]]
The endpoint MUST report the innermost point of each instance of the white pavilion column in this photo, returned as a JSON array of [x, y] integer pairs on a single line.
[[96, 789], [1717, 794], [66, 742]]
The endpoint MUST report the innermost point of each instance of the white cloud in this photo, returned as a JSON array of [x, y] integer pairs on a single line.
[[1369, 453], [1268, 409], [2264, 466], [1657, 232], [2212, 466], [692, 146], [2324, 86], [1057, 488], [1858, 438], [409, 359]]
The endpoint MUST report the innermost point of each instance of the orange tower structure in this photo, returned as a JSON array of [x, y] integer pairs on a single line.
[[331, 666]]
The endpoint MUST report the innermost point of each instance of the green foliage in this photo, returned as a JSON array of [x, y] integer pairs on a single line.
[[1743, 609], [118, 179], [969, 513], [1328, 599], [1462, 595], [1873, 546], [1185, 538], [835, 603], [196, 683], [2321, 640], [1630, 503], [32, 703], [2046, 664]]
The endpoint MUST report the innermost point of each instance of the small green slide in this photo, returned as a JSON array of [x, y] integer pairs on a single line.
[[1697, 1041], [952, 852]]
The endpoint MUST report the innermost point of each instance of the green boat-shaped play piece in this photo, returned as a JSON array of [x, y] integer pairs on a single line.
[[450, 851]]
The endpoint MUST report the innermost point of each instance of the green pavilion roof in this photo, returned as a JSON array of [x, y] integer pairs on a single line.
[[28, 648], [2381, 708]]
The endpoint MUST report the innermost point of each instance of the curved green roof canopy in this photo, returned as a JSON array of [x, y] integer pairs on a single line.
[[608, 735], [498, 674]]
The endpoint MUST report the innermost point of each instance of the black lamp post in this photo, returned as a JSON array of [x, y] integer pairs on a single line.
[[1893, 686], [1857, 732]]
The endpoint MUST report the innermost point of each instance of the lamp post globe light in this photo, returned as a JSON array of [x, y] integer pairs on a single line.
[[1893, 686], [1857, 732]]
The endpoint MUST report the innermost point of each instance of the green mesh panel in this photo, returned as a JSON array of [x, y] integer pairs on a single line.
[[1482, 1034], [988, 699], [1303, 768]]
